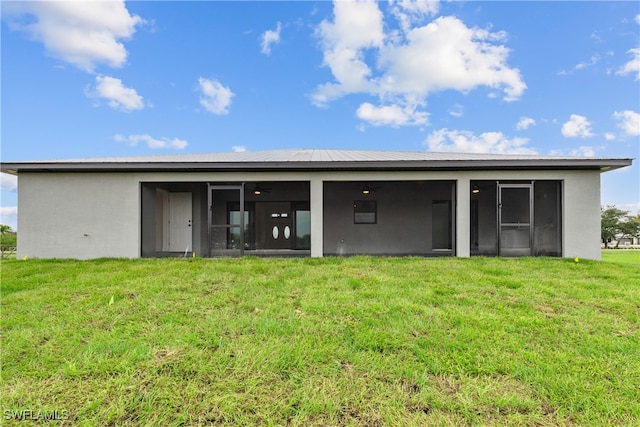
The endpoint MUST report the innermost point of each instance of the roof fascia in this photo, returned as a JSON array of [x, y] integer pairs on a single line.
[[544, 164]]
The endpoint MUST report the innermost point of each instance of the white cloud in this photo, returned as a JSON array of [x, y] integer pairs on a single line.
[[9, 216], [403, 69], [411, 12], [357, 26], [524, 123], [456, 111], [153, 143], [8, 182], [82, 33], [609, 136], [445, 140], [446, 54], [633, 66], [633, 208], [637, 19], [118, 96], [584, 151], [8, 210], [577, 126], [593, 61], [239, 148], [269, 38], [391, 115], [215, 98], [628, 121]]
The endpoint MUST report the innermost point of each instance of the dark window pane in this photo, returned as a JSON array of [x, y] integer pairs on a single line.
[[364, 212], [303, 230]]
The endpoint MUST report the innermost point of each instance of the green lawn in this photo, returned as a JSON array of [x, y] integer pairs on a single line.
[[359, 341], [625, 256]]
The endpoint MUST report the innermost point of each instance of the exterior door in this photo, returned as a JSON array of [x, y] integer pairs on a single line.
[[226, 235], [515, 218], [180, 222], [274, 225]]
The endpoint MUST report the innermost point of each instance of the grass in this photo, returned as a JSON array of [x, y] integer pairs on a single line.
[[624, 256], [358, 341]]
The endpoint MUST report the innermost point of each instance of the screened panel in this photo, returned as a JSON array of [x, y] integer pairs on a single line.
[[441, 230], [515, 206], [484, 218], [515, 237], [234, 232], [529, 218], [225, 228], [547, 219]]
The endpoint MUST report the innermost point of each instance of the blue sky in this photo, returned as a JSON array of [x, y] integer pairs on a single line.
[[88, 79]]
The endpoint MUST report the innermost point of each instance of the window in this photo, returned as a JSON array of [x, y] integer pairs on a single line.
[[303, 229], [365, 212]]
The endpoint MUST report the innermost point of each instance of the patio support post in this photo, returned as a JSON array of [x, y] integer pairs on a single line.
[[316, 204], [463, 222]]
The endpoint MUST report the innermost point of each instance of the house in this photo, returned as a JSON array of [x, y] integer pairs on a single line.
[[627, 241], [311, 203]]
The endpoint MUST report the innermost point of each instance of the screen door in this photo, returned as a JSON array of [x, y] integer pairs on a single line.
[[514, 219]]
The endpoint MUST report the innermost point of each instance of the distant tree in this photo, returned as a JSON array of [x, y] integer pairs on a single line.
[[629, 227], [7, 235], [614, 222]]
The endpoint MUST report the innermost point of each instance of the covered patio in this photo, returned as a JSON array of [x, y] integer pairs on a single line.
[[226, 219], [273, 218]]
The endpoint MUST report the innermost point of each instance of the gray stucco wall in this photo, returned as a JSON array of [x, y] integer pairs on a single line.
[[91, 215], [78, 215], [581, 218]]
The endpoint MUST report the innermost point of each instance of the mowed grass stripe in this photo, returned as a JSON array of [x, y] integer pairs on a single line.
[[333, 341]]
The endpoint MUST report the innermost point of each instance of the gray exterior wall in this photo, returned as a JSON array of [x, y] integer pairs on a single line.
[[78, 215], [92, 215], [404, 217], [581, 216]]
